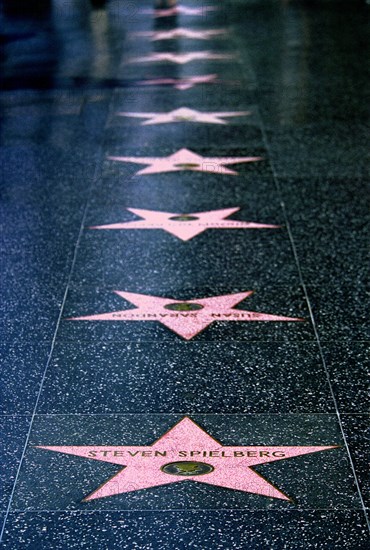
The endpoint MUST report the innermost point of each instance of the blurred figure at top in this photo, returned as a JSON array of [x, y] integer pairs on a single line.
[[162, 4]]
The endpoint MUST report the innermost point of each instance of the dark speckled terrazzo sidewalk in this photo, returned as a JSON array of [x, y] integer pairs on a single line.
[[185, 246]]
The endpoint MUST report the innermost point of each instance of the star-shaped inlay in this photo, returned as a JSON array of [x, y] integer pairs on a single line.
[[179, 10], [187, 453], [180, 58], [183, 33], [181, 84], [185, 226], [186, 160], [187, 318], [184, 114]]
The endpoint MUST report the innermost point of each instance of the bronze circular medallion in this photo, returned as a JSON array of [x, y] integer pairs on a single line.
[[187, 165], [183, 218], [187, 468], [183, 306], [184, 118]]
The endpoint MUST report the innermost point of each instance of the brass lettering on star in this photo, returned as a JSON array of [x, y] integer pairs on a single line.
[[126, 314], [112, 453], [233, 315], [184, 310], [230, 454], [185, 454]]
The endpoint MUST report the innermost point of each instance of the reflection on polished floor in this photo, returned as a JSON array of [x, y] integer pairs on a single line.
[[185, 239]]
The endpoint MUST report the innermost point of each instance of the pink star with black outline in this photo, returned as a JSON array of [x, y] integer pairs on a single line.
[[180, 58], [184, 114], [181, 32], [181, 84], [187, 318], [179, 10], [186, 160], [187, 453], [185, 226]]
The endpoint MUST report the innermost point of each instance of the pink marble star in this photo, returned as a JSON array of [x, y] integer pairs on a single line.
[[181, 84], [186, 160], [180, 58], [187, 453], [183, 114], [187, 318], [183, 33], [185, 226], [179, 10]]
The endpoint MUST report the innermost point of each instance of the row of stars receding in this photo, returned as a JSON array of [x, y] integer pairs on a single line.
[[186, 318], [149, 466]]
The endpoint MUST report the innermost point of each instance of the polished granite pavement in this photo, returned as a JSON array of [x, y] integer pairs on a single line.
[[185, 248]]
